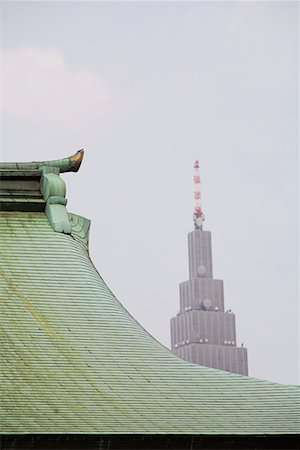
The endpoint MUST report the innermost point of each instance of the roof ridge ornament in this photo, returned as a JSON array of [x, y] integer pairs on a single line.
[[69, 164], [38, 187]]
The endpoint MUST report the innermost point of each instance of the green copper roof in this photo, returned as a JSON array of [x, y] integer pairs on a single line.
[[72, 360]]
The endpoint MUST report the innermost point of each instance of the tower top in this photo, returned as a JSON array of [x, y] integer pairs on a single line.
[[198, 216]]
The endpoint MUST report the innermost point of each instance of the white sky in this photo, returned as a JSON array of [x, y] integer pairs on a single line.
[[147, 88]]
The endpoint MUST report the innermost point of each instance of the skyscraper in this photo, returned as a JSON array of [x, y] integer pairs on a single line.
[[202, 332]]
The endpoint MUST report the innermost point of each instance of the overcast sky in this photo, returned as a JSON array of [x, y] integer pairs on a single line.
[[147, 88]]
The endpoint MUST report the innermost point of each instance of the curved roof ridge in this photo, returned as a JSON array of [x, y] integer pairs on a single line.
[[69, 164]]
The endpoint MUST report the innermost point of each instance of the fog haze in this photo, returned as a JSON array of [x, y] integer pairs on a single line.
[[147, 88]]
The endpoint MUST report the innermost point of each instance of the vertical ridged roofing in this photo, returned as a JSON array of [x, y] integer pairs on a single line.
[[74, 361]]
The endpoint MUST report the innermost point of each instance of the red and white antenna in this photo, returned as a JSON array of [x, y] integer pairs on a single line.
[[198, 214]]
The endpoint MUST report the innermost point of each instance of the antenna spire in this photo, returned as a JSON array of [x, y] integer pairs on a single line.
[[198, 214]]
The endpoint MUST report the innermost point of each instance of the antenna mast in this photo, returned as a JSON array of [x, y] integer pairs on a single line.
[[198, 214]]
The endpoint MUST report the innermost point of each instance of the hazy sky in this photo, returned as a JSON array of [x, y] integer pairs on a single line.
[[147, 88]]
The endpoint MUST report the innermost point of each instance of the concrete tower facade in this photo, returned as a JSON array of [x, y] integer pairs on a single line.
[[202, 332]]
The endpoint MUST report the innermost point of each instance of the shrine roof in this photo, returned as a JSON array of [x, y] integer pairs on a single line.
[[73, 360]]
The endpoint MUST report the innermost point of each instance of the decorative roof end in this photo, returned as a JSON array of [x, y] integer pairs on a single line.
[[37, 187], [70, 164], [76, 160]]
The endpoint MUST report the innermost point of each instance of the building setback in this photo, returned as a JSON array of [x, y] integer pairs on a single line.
[[202, 332], [78, 372]]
